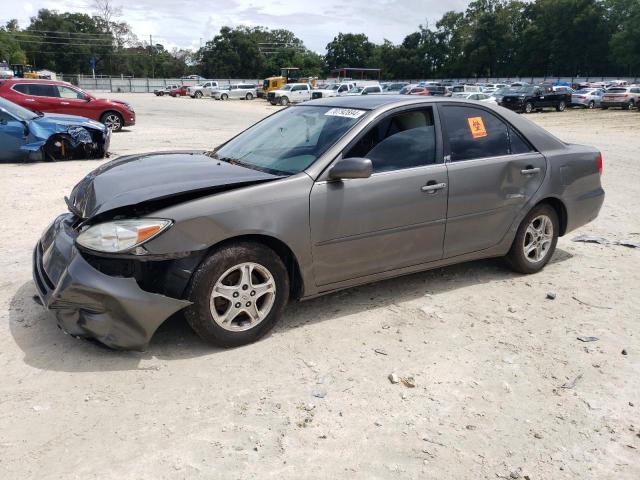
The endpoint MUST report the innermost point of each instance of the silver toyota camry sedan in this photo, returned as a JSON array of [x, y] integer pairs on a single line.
[[314, 198]]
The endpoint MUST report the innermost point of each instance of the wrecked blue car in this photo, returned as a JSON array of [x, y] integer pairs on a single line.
[[27, 136]]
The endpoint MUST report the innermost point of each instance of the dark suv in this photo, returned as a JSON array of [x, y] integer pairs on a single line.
[[535, 97], [50, 96]]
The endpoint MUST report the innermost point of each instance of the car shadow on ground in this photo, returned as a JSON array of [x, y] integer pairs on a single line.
[[46, 347]]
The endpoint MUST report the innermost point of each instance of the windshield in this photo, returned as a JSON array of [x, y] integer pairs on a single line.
[[527, 90], [290, 140], [17, 110], [335, 86]]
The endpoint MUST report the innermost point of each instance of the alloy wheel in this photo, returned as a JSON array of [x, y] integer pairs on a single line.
[[538, 239], [113, 122], [242, 297]]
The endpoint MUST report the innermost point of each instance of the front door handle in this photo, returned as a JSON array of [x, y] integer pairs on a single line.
[[530, 171], [433, 187], [64, 103]]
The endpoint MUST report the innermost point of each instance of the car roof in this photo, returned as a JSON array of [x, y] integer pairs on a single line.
[[35, 80], [372, 102]]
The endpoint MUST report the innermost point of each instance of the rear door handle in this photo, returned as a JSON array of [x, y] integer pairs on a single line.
[[433, 187], [64, 103], [530, 171]]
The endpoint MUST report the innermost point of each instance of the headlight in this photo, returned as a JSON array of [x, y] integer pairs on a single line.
[[121, 235]]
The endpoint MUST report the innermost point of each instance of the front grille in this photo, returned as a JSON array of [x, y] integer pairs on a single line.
[[271, 96]]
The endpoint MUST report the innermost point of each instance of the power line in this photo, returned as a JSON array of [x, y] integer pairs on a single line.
[[63, 31]]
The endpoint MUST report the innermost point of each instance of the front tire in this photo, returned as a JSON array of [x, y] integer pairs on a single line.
[[535, 240], [198, 94], [112, 120], [528, 107], [561, 106], [238, 293], [592, 105], [224, 96], [284, 101]]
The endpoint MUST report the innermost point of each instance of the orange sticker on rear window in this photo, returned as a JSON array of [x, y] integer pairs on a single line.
[[476, 125]]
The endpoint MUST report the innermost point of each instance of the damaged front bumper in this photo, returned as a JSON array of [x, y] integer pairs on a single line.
[[89, 303]]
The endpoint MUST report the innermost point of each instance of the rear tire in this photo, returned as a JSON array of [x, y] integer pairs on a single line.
[[535, 240], [591, 105], [629, 105], [255, 302], [249, 96]]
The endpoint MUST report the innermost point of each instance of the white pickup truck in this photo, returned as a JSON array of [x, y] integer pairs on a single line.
[[333, 90], [290, 93], [205, 89]]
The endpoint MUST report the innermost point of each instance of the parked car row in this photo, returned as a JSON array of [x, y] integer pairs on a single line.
[[213, 89]]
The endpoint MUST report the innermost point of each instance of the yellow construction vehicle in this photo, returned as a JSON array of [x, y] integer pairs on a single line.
[[24, 71], [287, 75]]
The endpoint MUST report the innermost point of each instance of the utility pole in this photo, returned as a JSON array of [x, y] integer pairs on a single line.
[[153, 63]]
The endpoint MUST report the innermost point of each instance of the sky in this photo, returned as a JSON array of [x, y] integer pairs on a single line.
[[183, 23]]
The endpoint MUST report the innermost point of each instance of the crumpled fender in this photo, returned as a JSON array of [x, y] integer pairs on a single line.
[[34, 151], [113, 310]]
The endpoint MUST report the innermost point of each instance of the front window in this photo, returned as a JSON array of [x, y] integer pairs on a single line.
[[355, 90], [291, 140], [16, 110], [403, 140], [286, 88], [66, 92]]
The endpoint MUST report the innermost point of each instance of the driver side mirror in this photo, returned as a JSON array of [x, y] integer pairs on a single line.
[[351, 168]]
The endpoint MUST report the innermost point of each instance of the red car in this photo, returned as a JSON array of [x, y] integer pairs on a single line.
[[51, 96], [179, 92]]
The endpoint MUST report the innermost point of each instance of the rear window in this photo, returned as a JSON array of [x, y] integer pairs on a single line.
[[475, 133], [617, 90]]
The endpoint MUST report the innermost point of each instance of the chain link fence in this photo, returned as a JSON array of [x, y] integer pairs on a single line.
[[147, 85]]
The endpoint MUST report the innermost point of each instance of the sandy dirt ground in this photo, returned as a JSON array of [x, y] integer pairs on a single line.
[[488, 352]]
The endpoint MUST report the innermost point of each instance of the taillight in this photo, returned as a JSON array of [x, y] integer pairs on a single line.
[[600, 163]]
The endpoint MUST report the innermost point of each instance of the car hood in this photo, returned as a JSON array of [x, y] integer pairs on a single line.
[[61, 120], [137, 179]]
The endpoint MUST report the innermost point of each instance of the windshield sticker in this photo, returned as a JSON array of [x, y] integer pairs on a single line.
[[476, 125], [345, 112]]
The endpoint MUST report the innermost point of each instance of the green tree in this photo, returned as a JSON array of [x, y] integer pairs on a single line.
[[623, 18], [349, 50]]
